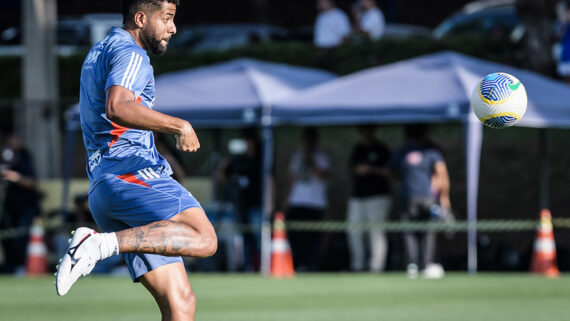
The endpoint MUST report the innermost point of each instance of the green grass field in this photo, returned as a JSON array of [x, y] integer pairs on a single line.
[[227, 297]]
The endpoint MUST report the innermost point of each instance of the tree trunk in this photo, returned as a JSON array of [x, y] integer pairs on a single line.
[[37, 120]]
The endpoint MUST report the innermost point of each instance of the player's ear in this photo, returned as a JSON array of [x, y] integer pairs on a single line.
[[140, 19]]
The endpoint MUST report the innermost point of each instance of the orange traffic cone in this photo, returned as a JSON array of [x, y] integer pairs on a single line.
[[544, 257], [281, 257], [36, 263]]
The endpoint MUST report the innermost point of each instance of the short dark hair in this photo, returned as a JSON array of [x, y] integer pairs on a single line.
[[130, 7]]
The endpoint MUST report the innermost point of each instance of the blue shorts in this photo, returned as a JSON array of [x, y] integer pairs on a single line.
[[137, 199]]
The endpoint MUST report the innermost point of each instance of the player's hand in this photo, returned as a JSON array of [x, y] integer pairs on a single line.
[[187, 141]]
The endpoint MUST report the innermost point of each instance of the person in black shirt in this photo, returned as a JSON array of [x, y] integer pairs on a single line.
[[242, 174], [21, 201], [370, 201]]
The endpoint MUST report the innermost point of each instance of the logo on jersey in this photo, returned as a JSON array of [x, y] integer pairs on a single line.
[[92, 57], [148, 174], [414, 158], [94, 160]]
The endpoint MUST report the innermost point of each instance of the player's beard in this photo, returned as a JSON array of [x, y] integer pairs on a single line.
[[154, 43]]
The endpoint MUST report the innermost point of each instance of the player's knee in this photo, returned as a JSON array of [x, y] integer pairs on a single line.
[[210, 242], [186, 304]]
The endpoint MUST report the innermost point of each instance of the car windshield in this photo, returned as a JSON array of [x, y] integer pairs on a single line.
[[497, 22]]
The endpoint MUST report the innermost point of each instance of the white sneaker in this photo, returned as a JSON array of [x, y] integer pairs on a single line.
[[82, 254], [433, 271]]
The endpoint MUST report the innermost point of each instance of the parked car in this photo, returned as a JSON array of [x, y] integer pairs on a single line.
[[402, 30], [497, 18], [74, 34]]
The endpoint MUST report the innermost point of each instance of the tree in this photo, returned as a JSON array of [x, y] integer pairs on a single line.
[[261, 8], [538, 18]]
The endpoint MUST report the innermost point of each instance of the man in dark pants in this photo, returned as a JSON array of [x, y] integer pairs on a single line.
[[370, 201], [420, 167]]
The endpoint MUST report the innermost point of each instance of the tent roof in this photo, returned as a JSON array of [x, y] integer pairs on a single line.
[[431, 88], [231, 93]]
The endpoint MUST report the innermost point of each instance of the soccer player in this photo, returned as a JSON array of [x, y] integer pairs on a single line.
[[149, 218]]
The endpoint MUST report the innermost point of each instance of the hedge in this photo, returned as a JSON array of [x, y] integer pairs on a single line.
[[343, 60]]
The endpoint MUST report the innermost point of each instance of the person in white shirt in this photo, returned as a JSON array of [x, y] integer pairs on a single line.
[[369, 20], [307, 199], [332, 25]]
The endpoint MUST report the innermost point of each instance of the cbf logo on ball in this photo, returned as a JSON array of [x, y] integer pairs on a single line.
[[499, 100]]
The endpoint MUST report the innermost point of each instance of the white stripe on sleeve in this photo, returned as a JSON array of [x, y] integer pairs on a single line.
[[141, 173], [149, 172], [153, 172], [128, 69], [135, 73], [132, 71]]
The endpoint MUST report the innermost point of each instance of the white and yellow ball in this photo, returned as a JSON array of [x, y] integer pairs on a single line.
[[499, 100]]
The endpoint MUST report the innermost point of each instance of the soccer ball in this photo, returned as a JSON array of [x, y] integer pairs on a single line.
[[499, 100]]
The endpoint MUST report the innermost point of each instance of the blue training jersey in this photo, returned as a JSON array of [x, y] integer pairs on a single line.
[[112, 149]]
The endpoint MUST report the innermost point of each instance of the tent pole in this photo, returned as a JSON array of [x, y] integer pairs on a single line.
[[267, 194], [474, 138], [544, 192]]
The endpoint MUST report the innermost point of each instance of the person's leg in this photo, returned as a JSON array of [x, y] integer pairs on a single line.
[[25, 218], [254, 215], [296, 238], [412, 247], [152, 223], [411, 241], [377, 209], [171, 289], [355, 241], [313, 241], [186, 234], [428, 244], [427, 239]]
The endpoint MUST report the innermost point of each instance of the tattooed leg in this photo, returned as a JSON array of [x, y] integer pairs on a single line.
[[169, 238]]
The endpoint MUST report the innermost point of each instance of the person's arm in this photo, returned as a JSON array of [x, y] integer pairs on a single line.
[[222, 171], [442, 177], [289, 189], [19, 179], [364, 169], [318, 164], [122, 109], [321, 173], [294, 165], [382, 170]]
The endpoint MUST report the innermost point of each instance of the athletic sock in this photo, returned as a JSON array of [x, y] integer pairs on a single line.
[[109, 245]]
